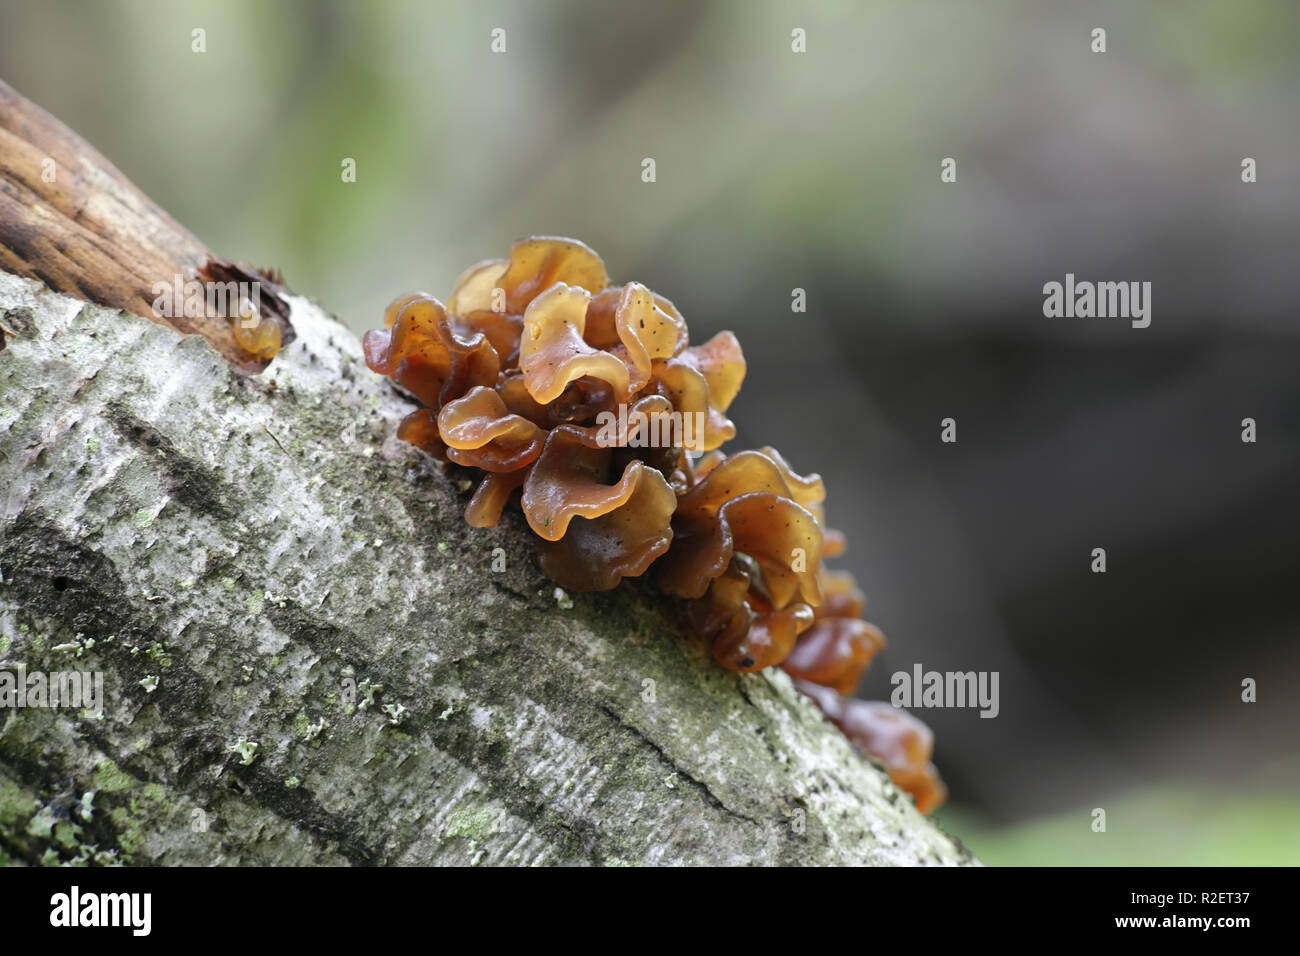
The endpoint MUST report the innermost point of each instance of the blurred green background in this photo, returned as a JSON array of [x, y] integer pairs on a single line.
[[819, 170]]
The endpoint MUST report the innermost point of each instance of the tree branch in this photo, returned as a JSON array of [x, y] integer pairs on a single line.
[[306, 655], [71, 220]]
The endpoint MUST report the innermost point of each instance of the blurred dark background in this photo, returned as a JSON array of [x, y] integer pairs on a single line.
[[820, 171]]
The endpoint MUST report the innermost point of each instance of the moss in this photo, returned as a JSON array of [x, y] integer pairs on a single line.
[[368, 691], [105, 857], [312, 732], [110, 778], [144, 814], [247, 750], [158, 654], [41, 825], [129, 836], [67, 834], [473, 823]]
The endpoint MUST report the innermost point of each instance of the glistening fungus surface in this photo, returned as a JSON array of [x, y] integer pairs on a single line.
[[556, 383]]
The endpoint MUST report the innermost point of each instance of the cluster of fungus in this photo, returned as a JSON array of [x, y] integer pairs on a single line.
[[560, 387]]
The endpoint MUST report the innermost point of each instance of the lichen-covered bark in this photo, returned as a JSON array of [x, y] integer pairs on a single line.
[[308, 657]]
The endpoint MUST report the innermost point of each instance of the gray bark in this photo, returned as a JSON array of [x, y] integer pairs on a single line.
[[307, 656]]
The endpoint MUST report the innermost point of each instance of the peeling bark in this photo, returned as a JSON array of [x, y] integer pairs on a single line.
[[257, 560]]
